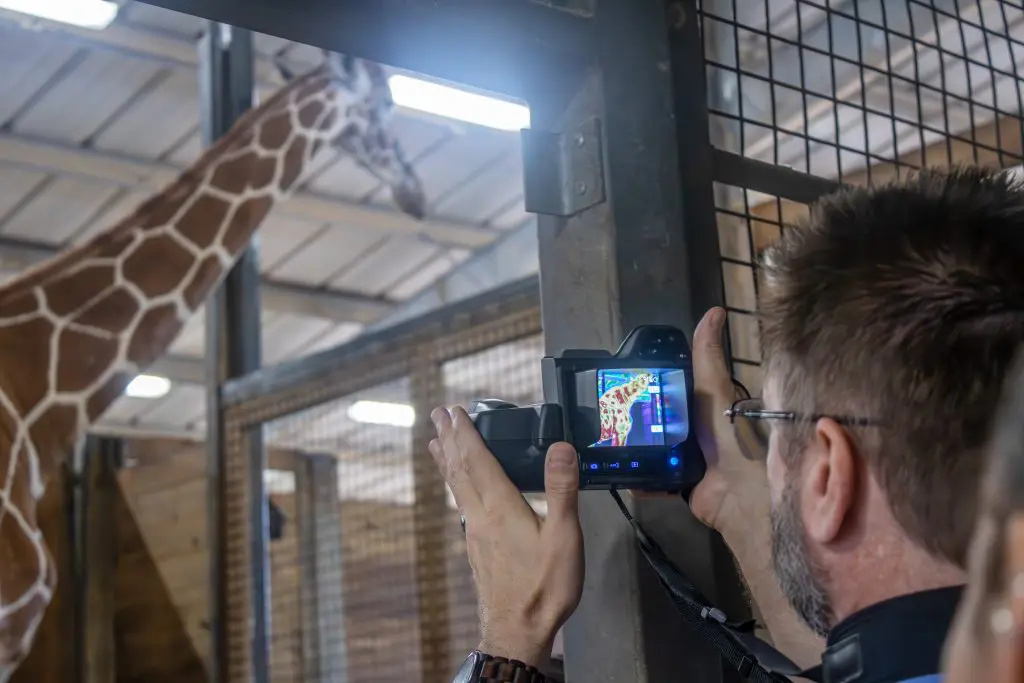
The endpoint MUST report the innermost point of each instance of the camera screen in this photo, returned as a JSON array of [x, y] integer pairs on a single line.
[[641, 407]]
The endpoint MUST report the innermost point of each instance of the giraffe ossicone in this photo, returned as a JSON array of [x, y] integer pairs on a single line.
[[76, 330]]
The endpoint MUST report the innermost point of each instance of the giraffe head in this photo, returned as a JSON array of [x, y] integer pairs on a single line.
[[366, 138], [642, 381]]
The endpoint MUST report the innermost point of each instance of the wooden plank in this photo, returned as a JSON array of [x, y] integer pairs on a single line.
[[156, 637], [429, 508]]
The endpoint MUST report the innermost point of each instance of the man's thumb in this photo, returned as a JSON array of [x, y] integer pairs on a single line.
[[561, 482], [709, 370]]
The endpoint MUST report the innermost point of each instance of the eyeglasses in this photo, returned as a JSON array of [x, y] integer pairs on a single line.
[[750, 418]]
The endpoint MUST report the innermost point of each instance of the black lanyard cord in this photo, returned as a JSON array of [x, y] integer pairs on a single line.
[[753, 658]]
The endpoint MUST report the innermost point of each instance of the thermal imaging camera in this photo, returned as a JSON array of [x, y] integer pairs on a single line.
[[628, 414]]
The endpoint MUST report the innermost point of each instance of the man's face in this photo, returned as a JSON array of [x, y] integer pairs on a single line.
[[800, 577]]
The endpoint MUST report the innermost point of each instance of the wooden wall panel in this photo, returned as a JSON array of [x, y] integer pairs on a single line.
[[165, 489]]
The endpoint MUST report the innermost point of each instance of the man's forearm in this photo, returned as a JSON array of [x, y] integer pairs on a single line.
[[749, 539]]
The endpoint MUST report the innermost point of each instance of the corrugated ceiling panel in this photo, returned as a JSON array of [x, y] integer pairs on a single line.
[[280, 236], [287, 334], [121, 207], [126, 408], [191, 341], [321, 258], [511, 216], [385, 266], [180, 407], [94, 91], [157, 120], [302, 58], [187, 152], [29, 58], [268, 45], [420, 136], [419, 133], [345, 179], [60, 210], [462, 158], [163, 19], [418, 280], [14, 185], [340, 334], [487, 192]]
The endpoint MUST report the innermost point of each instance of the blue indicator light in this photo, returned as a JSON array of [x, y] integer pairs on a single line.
[[593, 465], [613, 465], [635, 465], [674, 460]]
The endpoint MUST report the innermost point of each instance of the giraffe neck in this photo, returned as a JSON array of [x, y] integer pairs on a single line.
[[73, 333]]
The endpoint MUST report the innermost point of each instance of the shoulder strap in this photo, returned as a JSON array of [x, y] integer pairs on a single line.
[[753, 658]]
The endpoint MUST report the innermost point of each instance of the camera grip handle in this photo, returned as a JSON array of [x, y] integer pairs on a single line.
[[519, 438]]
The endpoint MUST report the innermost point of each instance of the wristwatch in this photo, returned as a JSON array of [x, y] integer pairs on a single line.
[[483, 668]]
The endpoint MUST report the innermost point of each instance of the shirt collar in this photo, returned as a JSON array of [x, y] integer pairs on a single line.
[[893, 640]]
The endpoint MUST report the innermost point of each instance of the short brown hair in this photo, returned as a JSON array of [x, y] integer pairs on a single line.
[[904, 303]]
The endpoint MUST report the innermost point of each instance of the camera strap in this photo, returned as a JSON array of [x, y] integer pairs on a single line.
[[753, 658]]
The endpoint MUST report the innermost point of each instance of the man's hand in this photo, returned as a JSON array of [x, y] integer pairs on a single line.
[[733, 497], [528, 570], [736, 483]]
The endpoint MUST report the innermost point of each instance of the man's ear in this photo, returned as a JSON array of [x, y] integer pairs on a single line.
[[831, 481]]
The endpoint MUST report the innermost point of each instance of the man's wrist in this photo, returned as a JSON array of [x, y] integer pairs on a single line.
[[537, 656], [745, 524]]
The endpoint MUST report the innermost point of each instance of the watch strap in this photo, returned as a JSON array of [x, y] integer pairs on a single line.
[[502, 670]]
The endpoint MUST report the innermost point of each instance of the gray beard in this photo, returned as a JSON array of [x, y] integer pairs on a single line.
[[798, 576]]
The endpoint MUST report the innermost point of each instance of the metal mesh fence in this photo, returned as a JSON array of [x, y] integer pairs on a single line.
[[510, 372], [859, 91], [368, 436], [369, 579], [863, 90]]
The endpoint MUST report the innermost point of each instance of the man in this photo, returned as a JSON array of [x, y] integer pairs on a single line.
[[987, 641], [889, 321]]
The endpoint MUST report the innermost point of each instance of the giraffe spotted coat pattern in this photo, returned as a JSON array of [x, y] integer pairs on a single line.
[[75, 331], [615, 406]]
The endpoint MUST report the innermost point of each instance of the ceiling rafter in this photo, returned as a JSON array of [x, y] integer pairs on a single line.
[[133, 173]]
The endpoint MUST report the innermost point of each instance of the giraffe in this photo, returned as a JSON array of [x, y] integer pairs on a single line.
[[75, 330], [615, 405]]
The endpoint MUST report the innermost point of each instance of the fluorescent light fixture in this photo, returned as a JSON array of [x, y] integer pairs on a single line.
[[462, 105], [148, 386], [378, 413], [94, 14]]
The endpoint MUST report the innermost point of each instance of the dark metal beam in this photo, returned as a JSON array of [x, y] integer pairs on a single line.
[[498, 45], [233, 349], [94, 534], [778, 181], [646, 255]]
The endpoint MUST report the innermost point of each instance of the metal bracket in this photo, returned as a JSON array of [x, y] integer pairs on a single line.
[[563, 173]]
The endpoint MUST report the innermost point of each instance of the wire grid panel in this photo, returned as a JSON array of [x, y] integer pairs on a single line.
[[285, 638], [865, 90], [377, 572], [511, 372], [745, 227]]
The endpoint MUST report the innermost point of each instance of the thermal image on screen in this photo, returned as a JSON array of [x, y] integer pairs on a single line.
[[632, 408]]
